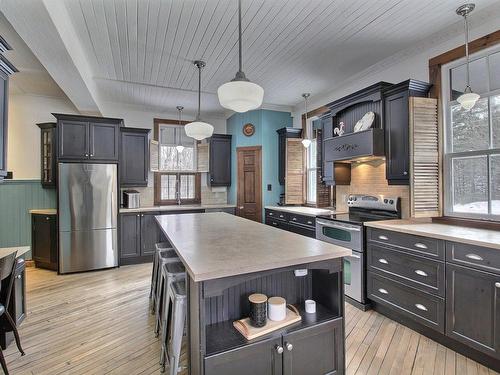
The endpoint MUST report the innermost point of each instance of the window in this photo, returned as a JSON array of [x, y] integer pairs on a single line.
[[178, 180], [311, 166], [472, 140]]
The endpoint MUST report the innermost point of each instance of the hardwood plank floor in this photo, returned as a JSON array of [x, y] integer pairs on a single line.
[[99, 323]]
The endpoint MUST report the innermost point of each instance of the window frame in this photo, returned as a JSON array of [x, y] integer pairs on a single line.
[[449, 155], [309, 182], [157, 175]]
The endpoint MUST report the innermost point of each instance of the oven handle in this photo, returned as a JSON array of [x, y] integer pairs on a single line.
[[353, 256], [353, 229]]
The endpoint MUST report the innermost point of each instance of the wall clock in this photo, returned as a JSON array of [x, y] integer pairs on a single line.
[[248, 129]]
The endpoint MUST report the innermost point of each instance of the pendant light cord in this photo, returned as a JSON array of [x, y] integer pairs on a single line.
[[240, 36], [199, 92], [466, 24]]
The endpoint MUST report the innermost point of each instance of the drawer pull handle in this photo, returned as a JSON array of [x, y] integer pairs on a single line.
[[420, 307], [309, 222], [383, 261], [385, 238], [383, 291], [421, 245], [294, 218], [270, 214], [281, 215], [474, 257], [497, 285], [421, 273]]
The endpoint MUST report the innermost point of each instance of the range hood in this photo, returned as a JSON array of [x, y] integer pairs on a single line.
[[359, 146]]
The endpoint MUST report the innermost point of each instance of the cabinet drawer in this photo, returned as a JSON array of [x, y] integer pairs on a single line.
[[302, 219], [276, 215], [425, 246], [473, 256], [302, 229], [419, 306], [277, 223], [421, 273]]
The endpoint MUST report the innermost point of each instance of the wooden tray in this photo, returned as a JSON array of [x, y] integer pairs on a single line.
[[249, 332]]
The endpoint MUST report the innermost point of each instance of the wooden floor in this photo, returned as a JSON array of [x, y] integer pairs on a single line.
[[99, 323]]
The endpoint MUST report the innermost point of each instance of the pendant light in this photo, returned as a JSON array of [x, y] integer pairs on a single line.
[[240, 95], [198, 129], [306, 142], [179, 146], [469, 98]]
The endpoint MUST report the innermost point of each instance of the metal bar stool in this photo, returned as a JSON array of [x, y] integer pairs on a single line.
[[171, 346], [158, 247], [170, 272], [162, 256]]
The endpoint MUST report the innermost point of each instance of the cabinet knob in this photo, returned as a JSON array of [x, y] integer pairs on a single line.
[[18, 276], [420, 307], [497, 285], [383, 261], [405, 173], [474, 257], [47, 218], [288, 346], [279, 349], [142, 215], [91, 154], [138, 215], [86, 155]]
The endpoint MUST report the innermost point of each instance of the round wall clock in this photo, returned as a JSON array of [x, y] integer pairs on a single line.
[[248, 129]]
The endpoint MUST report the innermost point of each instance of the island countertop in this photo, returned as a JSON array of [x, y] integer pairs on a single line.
[[216, 245]]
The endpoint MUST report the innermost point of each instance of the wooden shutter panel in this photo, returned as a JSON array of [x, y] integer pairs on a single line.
[[294, 171], [154, 156], [424, 158]]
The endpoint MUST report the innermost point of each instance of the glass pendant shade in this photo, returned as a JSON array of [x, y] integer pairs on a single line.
[[199, 130], [240, 96], [179, 148], [306, 143], [468, 100]]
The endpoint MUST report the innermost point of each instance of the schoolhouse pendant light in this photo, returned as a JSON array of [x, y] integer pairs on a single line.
[[306, 142], [469, 98], [198, 129], [179, 146], [240, 95]]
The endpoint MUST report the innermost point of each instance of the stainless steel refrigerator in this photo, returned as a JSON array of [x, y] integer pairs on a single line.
[[87, 216]]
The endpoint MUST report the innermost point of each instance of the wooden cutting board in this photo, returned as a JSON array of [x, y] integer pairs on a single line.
[[250, 332]]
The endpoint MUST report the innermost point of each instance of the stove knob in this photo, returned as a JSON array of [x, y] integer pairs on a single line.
[[355, 198], [385, 201], [391, 201]]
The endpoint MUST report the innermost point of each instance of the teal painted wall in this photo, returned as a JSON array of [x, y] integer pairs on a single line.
[[266, 123], [17, 197]]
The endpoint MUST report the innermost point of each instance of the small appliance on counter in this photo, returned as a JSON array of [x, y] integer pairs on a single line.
[[131, 199], [347, 230]]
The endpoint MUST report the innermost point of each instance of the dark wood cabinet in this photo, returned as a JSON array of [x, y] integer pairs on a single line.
[[44, 240], [219, 170], [283, 135], [48, 155], [296, 223], [134, 157], [150, 233], [130, 236], [263, 357], [472, 308], [88, 138], [396, 128]]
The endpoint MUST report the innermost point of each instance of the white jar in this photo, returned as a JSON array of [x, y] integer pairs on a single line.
[[276, 308]]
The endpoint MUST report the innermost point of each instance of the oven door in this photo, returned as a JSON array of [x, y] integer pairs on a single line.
[[353, 276], [341, 234]]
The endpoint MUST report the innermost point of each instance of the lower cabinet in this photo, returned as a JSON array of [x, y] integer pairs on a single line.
[[44, 240], [300, 224], [139, 234], [302, 229], [316, 350], [473, 308]]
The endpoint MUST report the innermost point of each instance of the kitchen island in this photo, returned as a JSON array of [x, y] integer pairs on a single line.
[[226, 259]]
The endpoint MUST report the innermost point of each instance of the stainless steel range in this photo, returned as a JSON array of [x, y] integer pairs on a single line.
[[347, 230]]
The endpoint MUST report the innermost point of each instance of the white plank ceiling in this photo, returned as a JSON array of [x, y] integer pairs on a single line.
[[140, 51]]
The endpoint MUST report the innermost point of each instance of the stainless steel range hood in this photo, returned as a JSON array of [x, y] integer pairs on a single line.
[[359, 146]]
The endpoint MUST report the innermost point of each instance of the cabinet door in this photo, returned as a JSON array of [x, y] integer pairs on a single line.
[[130, 232], [44, 241], [73, 140], [315, 350], [4, 90], [303, 230], [472, 308], [103, 141], [150, 233], [19, 296], [260, 358], [134, 159], [397, 150], [220, 160]]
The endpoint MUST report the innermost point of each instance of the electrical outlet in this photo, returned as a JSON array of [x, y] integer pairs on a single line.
[[269, 187]]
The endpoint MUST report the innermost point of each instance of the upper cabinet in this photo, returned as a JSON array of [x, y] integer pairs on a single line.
[[283, 135], [396, 128], [88, 138], [6, 69], [219, 173], [48, 167], [134, 157]]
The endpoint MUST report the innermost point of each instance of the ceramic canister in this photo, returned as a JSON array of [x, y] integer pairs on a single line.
[[276, 308], [258, 309]]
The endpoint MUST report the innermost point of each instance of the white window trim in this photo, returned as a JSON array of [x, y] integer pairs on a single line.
[[309, 133], [446, 139]]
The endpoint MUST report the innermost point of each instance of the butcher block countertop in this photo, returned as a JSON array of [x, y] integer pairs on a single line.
[[216, 245], [426, 228]]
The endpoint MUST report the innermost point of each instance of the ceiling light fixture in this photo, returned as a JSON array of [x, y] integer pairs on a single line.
[[240, 95], [179, 146], [469, 98], [198, 129], [306, 142]]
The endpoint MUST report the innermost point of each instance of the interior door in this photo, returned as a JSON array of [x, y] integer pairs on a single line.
[[249, 183]]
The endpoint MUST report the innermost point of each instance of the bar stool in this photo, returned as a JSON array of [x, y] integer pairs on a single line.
[[159, 246], [170, 272], [171, 346], [163, 256]]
